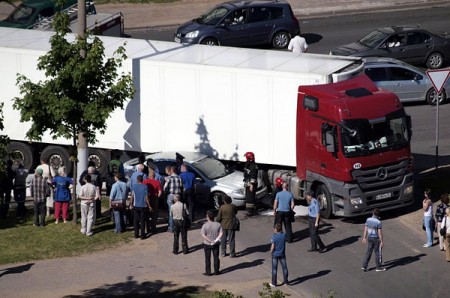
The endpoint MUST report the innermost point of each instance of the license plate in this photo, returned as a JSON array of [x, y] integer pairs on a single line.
[[383, 196], [177, 40]]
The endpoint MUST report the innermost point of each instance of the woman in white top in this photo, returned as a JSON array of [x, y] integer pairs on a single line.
[[427, 206], [446, 223]]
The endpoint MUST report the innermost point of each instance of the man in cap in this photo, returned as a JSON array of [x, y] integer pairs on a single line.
[[313, 221], [250, 183]]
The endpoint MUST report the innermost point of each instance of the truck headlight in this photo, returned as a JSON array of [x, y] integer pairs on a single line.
[[409, 190], [356, 201], [192, 34]]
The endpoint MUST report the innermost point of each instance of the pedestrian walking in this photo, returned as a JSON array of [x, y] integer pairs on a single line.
[[283, 207], [298, 45], [374, 238], [313, 222], [212, 233], [427, 206], [179, 225], [39, 191], [227, 212], [278, 252]]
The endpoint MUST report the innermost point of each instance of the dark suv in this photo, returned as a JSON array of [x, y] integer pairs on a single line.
[[242, 23]]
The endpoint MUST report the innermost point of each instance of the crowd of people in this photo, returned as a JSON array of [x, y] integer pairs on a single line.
[[136, 202]]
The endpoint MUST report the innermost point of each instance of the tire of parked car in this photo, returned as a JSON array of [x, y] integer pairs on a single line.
[[435, 60], [281, 40], [210, 41], [431, 97]]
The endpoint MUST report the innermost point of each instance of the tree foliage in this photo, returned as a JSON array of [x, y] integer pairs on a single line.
[[79, 93], [4, 141]]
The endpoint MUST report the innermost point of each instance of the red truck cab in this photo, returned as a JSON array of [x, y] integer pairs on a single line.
[[353, 147]]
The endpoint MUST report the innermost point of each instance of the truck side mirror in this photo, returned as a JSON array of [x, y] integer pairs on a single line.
[[330, 141]]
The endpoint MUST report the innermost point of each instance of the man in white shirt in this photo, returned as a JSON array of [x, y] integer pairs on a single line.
[[298, 45]]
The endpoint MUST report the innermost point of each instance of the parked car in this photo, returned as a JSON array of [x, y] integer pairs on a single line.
[[242, 23], [410, 44], [213, 179], [408, 82]]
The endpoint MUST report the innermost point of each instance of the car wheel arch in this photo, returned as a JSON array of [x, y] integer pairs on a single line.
[[205, 40]]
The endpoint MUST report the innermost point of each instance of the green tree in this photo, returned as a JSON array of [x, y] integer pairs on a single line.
[[4, 141], [82, 88]]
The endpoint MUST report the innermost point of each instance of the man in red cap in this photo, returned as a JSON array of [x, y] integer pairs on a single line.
[[250, 183]]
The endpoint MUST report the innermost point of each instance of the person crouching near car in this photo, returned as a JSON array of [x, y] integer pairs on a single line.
[[225, 217], [283, 207], [119, 192], [179, 224]]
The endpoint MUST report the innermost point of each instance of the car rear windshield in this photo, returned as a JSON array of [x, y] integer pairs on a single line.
[[373, 39], [213, 16]]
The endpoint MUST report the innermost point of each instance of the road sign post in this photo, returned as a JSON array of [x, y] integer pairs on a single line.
[[438, 79]]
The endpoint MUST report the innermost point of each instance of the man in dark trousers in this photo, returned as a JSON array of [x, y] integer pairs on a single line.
[[188, 179], [6, 187], [283, 207], [211, 233], [250, 183], [313, 221], [374, 237], [139, 203], [20, 187]]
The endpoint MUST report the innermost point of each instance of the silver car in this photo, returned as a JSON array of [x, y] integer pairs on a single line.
[[213, 179], [408, 82]]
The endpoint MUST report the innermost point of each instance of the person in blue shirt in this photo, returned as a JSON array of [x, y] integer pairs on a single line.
[[313, 221], [119, 192], [278, 251], [139, 203], [283, 207], [188, 179], [139, 172], [374, 237]]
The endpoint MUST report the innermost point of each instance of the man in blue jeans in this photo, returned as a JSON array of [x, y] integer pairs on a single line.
[[278, 251], [374, 237], [283, 206]]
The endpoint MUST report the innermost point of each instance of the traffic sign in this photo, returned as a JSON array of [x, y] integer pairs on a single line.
[[438, 78]]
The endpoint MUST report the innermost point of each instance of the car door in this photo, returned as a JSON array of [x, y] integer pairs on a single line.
[[408, 85], [396, 47], [379, 75], [261, 23], [418, 47], [202, 189], [235, 29]]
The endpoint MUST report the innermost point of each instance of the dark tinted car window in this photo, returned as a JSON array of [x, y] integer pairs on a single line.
[[418, 38], [239, 16], [276, 13], [259, 14], [377, 74], [401, 74]]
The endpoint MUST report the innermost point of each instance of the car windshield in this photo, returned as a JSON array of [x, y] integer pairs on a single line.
[[211, 168], [213, 16], [366, 137], [21, 15], [373, 39]]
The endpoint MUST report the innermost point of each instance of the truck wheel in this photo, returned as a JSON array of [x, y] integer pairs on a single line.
[[57, 157], [281, 40], [435, 60], [218, 199], [20, 152], [101, 159], [432, 97], [324, 197]]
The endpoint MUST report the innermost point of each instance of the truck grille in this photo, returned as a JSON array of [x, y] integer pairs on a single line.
[[373, 179]]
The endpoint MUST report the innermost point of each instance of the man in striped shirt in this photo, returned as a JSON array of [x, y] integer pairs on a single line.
[[172, 187], [39, 190]]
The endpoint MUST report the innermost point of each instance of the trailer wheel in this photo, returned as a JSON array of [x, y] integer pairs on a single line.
[[101, 159], [326, 205], [20, 152], [218, 199], [57, 157]]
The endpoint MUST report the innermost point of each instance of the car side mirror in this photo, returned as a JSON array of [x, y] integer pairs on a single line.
[[418, 77], [198, 180]]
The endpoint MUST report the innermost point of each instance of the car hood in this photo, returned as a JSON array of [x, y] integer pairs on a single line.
[[350, 49], [234, 180], [191, 26]]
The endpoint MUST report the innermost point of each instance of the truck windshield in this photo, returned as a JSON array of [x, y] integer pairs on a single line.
[[368, 136], [21, 15], [211, 168], [213, 16]]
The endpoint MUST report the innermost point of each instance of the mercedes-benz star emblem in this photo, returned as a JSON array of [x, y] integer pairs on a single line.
[[382, 173]]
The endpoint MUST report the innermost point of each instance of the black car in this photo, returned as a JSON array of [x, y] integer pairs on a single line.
[[242, 23], [410, 44]]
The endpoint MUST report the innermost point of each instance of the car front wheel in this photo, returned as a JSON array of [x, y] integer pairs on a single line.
[[435, 60], [281, 40], [210, 42], [432, 97]]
